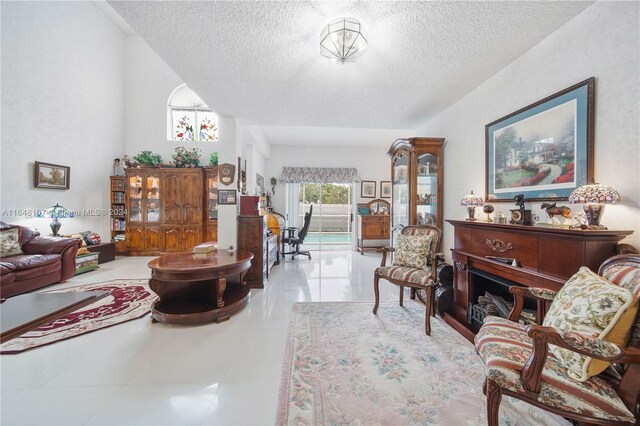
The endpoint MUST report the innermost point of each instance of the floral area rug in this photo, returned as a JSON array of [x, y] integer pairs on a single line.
[[344, 365], [129, 299]]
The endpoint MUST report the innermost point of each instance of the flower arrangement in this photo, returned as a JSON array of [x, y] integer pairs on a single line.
[[148, 158], [184, 157]]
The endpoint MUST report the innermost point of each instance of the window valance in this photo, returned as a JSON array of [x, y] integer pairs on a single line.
[[319, 175]]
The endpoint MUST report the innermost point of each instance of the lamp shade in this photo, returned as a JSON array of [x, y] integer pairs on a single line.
[[594, 193], [593, 197], [56, 212], [342, 40], [472, 200]]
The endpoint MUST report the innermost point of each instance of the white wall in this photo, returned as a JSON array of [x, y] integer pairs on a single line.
[[62, 103], [603, 41], [148, 85], [372, 164]]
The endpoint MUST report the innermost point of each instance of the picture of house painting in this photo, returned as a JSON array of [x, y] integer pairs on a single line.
[[537, 151]]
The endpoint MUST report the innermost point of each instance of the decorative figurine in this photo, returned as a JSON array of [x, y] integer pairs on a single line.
[[488, 209], [552, 211]]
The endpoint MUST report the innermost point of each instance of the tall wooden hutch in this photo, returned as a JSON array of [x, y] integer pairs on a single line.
[[166, 209], [416, 175]]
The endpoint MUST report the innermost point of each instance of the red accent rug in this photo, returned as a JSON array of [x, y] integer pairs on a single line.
[[129, 299], [344, 365]]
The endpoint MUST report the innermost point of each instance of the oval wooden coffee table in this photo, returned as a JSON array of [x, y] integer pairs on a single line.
[[192, 288]]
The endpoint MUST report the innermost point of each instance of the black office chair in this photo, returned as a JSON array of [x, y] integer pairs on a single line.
[[296, 241]]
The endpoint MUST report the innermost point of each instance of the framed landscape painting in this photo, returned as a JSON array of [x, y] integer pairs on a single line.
[[385, 189], [52, 176], [368, 189], [544, 150]]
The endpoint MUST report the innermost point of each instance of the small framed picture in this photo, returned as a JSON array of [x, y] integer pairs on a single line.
[[226, 196], [385, 189], [51, 176], [368, 189]]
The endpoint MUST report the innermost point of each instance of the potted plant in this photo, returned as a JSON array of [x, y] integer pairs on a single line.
[[186, 157], [213, 159], [148, 158]]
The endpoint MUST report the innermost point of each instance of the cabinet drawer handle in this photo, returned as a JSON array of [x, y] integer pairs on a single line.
[[499, 246]]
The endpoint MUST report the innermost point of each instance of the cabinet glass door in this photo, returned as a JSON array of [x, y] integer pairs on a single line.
[[135, 199], [400, 191], [427, 190], [153, 199], [212, 196]]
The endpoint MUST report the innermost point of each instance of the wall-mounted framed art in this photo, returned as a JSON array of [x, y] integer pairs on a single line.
[[385, 189], [227, 196], [51, 176], [544, 150], [368, 189]]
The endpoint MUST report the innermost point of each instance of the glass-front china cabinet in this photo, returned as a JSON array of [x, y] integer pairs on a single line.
[[416, 175]]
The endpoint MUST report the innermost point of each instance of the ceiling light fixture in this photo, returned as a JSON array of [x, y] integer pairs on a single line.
[[342, 40]]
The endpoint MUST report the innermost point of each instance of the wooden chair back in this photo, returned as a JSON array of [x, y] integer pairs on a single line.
[[436, 235], [624, 270]]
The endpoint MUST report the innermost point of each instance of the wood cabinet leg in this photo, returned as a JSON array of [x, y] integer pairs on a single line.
[[221, 286]]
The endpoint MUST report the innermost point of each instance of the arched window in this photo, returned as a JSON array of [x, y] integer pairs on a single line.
[[189, 118]]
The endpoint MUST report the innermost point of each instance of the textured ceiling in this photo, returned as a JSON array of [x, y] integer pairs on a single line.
[[260, 61]]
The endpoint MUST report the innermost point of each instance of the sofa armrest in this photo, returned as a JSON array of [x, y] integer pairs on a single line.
[[49, 245]]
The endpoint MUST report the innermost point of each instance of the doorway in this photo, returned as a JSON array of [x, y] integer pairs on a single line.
[[332, 220]]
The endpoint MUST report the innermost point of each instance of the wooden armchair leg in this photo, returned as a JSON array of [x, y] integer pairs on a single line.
[[401, 296], [428, 302], [376, 292], [494, 397]]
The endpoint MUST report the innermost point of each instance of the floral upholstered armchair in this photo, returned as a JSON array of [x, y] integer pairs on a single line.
[[584, 361], [415, 261]]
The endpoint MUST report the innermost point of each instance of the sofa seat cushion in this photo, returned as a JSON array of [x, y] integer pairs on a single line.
[[421, 277], [22, 262], [505, 347]]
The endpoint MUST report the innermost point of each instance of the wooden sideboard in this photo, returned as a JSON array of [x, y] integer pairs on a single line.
[[254, 236], [373, 227], [546, 255]]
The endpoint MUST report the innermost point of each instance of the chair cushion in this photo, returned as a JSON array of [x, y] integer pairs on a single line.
[[417, 276], [593, 306], [505, 347], [10, 242], [627, 275], [412, 251]]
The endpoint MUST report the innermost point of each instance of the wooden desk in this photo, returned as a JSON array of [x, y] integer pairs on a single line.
[[192, 288], [27, 312]]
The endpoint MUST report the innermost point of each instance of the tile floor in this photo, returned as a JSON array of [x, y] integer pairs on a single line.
[[139, 373]]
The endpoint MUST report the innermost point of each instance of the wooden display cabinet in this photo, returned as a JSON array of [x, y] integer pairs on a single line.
[[416, 176], [375, 226], [164, 210], [118, 212], [211, 204]]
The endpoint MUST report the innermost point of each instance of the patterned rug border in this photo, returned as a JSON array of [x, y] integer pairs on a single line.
[[139, 281]]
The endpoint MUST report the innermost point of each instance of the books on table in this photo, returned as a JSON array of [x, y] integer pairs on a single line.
[[204, 248]]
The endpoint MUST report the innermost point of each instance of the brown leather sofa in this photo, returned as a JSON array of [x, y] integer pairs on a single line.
[[46, 260]]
